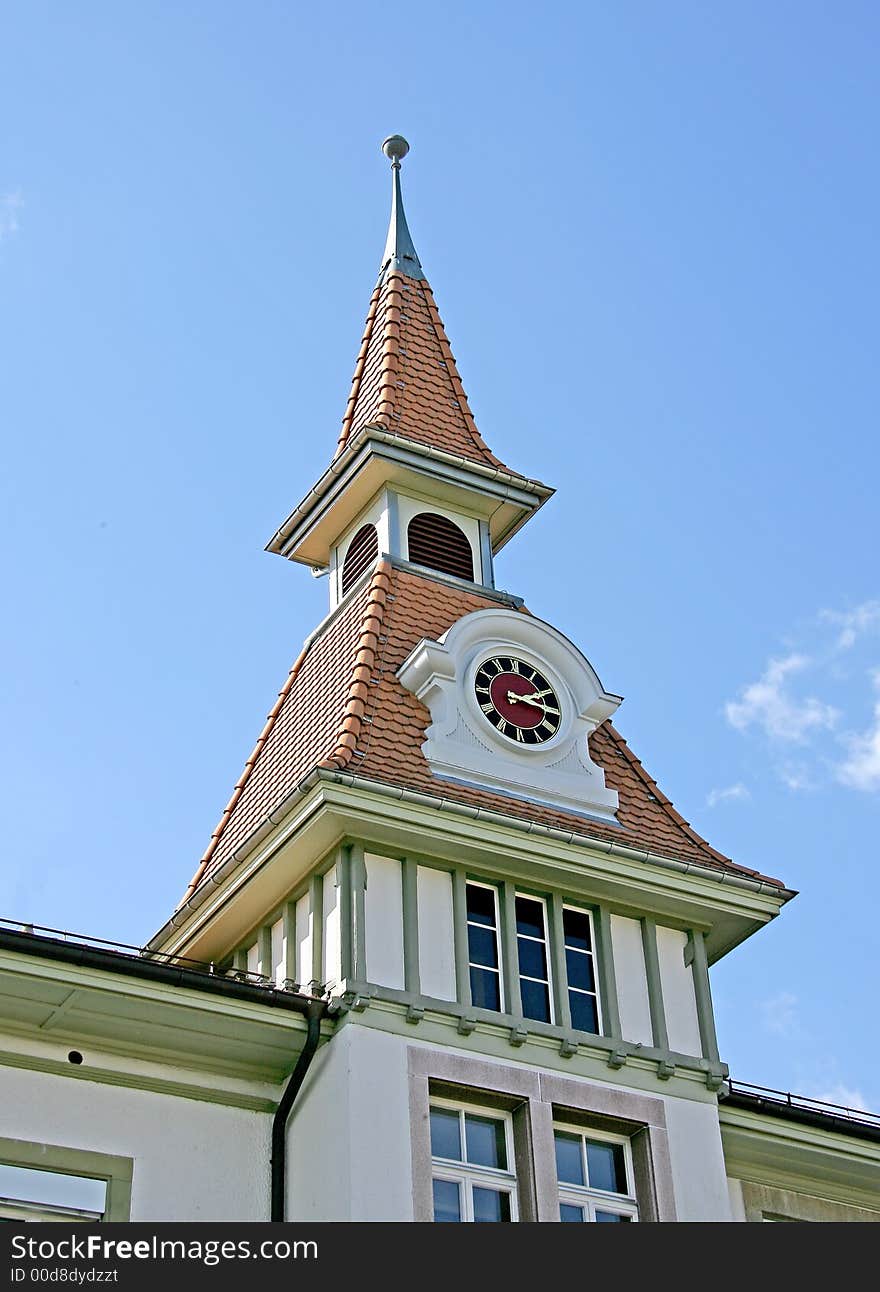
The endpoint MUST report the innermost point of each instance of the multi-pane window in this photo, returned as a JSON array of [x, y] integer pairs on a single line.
[[534, 973], [580, 967], [471, 1165], [29, 1194], [483, 942], [595, 1178]]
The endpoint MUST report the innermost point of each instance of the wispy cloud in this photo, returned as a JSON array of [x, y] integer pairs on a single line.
[[860, 770], [796, 776], [770, 705], [853, 624], [779, 1014], [845, 1096], [729, 794], [10, 206]]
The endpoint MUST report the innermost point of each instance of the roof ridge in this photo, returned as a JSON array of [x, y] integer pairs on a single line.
[[665, 802], [248, 769], [453, 374], [360, 365], [364, 662]]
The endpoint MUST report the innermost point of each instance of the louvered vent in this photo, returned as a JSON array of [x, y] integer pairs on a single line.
[[438, 543], [362, 552]]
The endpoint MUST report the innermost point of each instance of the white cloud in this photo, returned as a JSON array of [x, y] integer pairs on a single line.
[[853, 623], [780, 1014], [10, 205], [796, 776], [769, 705], [728, 794], [861, 769], [843, 1095]]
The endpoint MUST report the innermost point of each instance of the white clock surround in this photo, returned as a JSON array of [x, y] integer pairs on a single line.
[[460, 743]]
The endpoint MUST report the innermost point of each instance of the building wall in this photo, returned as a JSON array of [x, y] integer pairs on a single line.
[[355, 1130], [192, 1160]]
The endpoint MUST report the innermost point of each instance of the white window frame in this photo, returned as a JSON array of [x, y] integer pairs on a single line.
[[499, 950], [584, 910], [592, 1199], [533, 897], [468, 1175]]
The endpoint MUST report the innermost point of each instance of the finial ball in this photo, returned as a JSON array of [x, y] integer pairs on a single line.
[[395, 148]]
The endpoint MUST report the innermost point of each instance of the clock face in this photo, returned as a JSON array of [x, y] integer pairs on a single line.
[[518, 700]]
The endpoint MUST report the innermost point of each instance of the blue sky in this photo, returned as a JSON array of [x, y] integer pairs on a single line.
[[651, 231]]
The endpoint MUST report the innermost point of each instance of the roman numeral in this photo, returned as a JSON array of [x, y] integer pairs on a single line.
[[487, 706], [520, 737], [502, 727], [549, 726], [514, 666]]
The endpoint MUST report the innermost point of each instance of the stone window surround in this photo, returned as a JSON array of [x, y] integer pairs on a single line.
[[117, 1171], [537, 1099]]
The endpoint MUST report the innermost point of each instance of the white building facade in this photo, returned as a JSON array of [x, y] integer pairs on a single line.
[[447, 955]]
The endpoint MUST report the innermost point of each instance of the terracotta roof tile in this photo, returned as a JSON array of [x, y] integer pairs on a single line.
[[342, 698], [406, 379]]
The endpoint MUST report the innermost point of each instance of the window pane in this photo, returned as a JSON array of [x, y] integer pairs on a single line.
[[480, 904], [529, 917], [576, 926], [605, 1216], [485, 989], [53, 1188], [579, 968], [447, 1201], [584, 1015], [569, 1160], [482, 946], [570, 1214], [445, 1134], [532, 959], [489, 1205], [605, 1167], [485, 1141], [535, 1000]]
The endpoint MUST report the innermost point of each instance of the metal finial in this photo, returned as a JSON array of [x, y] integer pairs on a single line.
[[400, 254], [395, 149]]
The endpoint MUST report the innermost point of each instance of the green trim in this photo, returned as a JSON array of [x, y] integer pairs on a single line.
[[509, 950], [459, 922], [655, 986], [289, 918], [316, 910], [703, 994], [137, 1081], [556, 933], [410, 893], [605, 955], [117, 1171], [264, 952]]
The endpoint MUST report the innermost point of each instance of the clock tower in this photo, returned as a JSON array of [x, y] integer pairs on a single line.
[[441, 833]]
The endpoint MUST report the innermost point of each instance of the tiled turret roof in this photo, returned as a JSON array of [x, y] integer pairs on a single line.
[[343, 708]]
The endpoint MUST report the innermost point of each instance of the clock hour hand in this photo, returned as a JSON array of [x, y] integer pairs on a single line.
[[535, 699]]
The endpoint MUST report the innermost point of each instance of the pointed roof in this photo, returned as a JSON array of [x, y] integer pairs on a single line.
[[406, 380], [343, 709]]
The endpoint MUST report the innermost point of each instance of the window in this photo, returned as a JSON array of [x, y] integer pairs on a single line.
[[534, 973], [595, 1177], [580, 968], [35, 1195], [483, 957], [439, 544], [471, 1165], [362, 552]]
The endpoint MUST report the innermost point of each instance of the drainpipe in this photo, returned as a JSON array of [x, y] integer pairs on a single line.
[[315, 1011]]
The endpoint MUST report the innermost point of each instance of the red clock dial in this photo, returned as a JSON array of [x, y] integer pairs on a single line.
[[518, 700]]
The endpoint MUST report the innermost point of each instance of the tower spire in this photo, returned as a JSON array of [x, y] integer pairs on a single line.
[[400, 253]]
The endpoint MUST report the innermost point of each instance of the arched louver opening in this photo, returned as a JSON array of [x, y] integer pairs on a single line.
[[362, 552], [438, 543]]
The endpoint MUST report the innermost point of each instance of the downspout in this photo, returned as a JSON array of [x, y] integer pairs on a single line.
[[315, 1012]]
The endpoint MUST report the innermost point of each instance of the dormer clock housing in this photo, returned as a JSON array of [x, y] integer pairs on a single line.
[[512, 705]]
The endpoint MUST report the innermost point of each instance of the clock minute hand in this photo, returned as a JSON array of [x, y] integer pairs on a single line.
[[534, 700]]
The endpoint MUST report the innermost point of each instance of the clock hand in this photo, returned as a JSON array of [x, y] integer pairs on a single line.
[[534, 700]]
